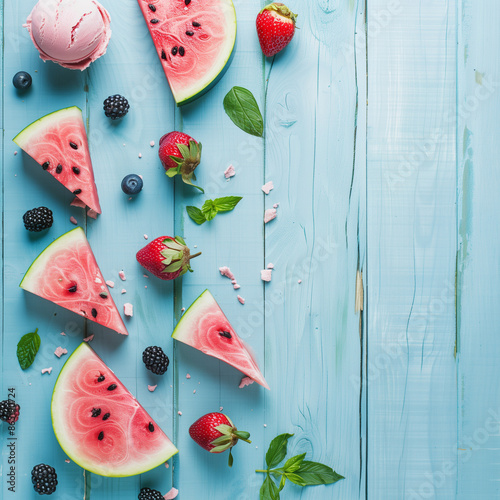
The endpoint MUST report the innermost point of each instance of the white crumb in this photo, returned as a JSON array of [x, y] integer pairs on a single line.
[[123, 291], [266, 275], [122, 275], [229, 172], [128, 309], [110, 283], [47, 370], [152, 144], [270, 265], [269, 215], [146, 236], [140, 155]]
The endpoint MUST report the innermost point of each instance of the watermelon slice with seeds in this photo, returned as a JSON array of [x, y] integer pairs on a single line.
[[67, 274], [58, 142], [205, 327], [99, 424], [194, 40]]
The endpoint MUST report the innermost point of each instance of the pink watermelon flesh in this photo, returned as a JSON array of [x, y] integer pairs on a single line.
[[205, 327], [67, 274], [207, 50], [131, 442], [58, 142]]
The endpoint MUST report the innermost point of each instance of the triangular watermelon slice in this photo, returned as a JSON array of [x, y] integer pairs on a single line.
[[205, 327], [194, 40], [100, 425], [67, 274], [58, 142]]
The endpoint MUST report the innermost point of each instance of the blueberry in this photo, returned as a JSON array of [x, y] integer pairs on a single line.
[[22, 80], [132, 184]]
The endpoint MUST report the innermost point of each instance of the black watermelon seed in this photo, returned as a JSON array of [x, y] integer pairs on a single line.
[[189, 33], [46, 165], [72, 289], [152, 8], [182, 51], [187, 2], [101, 378], [227, 335], [100, 437], [174, 50], [96, 412], [154, 21], [106, 416], [163, 55], [103, 295], [59, 169], [151, 427], [73, 145], [94, 312], [196, 24], [112, 387], [76, 170], [77, 191]]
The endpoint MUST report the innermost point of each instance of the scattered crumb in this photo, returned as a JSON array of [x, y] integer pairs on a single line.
[[130, 198], [196, 246], [194, 392], [124, 144], [90, 338], [124, 291], [145, 275], [265, 425], [183, 310], [299, 282], [151, 388], [15, 153], [179, 413], [140, 155], [47, 370], [146, 286], [246, 381], [92, 213], [128, 309], [62, 333], [225, 271], [267, 187], [229, 172], [152, 144], [73, 220], [110, 283], [236, 286], [167, 465], [221, 408], [269, 215], [60, 351], [241, 300], [171, 494], [188, 376], [276, 205], [234, 282], [77, 203], [270, 265], [122, 275], [146, 236], [68, 461], [266, 275]]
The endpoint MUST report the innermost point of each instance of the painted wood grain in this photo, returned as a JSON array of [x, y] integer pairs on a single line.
[[412, 393]]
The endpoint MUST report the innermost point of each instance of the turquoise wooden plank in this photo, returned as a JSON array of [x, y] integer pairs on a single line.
[[478, 256], [313, 347], [411, 138]]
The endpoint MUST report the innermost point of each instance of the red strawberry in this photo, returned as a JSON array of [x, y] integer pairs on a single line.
[[216, 433], [275, 28], [166, 257], [180, 154]]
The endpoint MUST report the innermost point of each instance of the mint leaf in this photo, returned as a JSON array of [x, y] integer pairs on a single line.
[[268, 490], [27, 348], [296, 479], [314, 473], [277, 450], [196, 214], [240, 105], [209, 210], [227, 203], [292, 464], [282, 482]]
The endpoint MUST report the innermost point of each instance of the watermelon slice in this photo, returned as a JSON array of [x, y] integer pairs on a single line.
[[99, 424], [205, 327], [58, 142], [67, 274], [194, 41]]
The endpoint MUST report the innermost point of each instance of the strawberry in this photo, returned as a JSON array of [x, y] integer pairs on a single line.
[[166, 257], [180, 154], [216, 433], [275, 28]]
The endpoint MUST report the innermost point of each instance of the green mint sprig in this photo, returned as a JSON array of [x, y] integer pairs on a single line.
[[240, 105], [211, 208], [27, 348], [297, 470]]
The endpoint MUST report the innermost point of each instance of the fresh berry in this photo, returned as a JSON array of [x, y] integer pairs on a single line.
[[275, 28], [155, 360], [216, 433], [44, 479], [166, 257], [132, 184], [22, 80], [9, 411], [180, 154], [38, 219], [149, 494], [116, 106]]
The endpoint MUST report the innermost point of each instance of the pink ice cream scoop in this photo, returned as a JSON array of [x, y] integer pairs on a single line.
[[72, 33]]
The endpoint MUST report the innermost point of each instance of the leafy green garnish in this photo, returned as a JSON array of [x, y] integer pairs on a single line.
[[240, 105], [211, 208], [27, 348]]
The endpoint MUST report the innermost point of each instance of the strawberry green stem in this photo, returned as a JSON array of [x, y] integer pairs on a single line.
[[194, 256]]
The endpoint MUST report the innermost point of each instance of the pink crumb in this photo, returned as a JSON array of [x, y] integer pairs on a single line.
[[151, 388], [92, 213], [140, 155], [268, 187], [269, 215], [124, 291], [90, 338], [122, 275], [145, 276], [110, 283], [236, 286], [276, 205], [246, 381], [234, 282], [167, 465], [183, 309], [60, 351], [62, 333], [179, 413], [47, 370], [241, 300], [15, 153], [171, 494], [68, 461], [194, 392], [73, 220], [77, 203], [299, 282], [146, 236], [152, 144], [266, 275], [188, 376], [128, 309], [229, 172], [221, 408], [225, 271], [270, 265]]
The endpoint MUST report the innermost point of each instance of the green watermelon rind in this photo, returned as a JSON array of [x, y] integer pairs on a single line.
[[70, 361], [26, 133], [179, 329]]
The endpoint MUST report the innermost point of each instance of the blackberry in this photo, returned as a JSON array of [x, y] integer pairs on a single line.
[[149, 494], [116, 106], [44, 479], [38, 219], [155, 360], [9, 411]]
